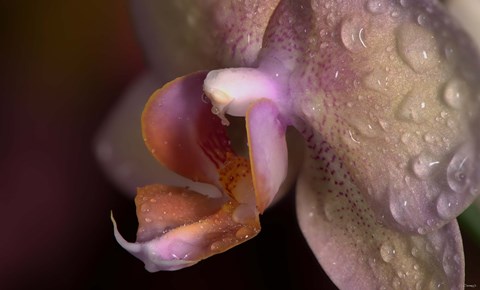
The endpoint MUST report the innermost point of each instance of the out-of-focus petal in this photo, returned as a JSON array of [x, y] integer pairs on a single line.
[[268, 150], [120, 148], [356, 250], [184, 36], [467, 12]]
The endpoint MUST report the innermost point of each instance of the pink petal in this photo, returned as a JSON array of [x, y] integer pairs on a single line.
[[394, 90], [357, 251], [268, 150]]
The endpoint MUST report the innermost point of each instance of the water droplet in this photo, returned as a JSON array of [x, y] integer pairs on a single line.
[[243, 233], [422, 19], [474, 191], [216, 246], [395, 14], [243, 213], [456, 93], [215, 110], [377, 6], [459, 169], [430, 137], [387, 251], [148, 220], [404, 3], [364, 129], [412, 108], [421, 231], [417, 47], [377, 80], [329, 209], [384, 124], [423, 164], [406, 137], [352, 33], [331, 19], [144, 208], [205, 99], [414, 252], [446, 206], [396, 283]]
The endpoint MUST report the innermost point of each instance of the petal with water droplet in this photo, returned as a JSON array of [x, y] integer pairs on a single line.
[[357, 250], [406, 171]]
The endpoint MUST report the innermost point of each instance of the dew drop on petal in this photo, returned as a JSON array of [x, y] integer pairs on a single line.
[[215, 110], [387, 252], [377, 6], [412, 108], [417, 47], [422, 19], [456, 93], [415, 252], [352, 33], [459, 169], [145, 207], [243, 213], [243, 233], [446, 206], [404, 3]]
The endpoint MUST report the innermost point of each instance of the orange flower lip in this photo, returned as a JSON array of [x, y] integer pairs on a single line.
[[177, 226]]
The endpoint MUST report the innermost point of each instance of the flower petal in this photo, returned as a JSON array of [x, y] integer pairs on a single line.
[[357, 251], [206, 32], [182, 133], [177, 226], [468, 14], [268, 150], [395, 92], [120, 148]]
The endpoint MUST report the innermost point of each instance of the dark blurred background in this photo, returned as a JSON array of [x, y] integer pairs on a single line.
[[63, 64]]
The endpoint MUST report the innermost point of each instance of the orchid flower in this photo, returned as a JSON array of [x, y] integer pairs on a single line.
[[384, 96]]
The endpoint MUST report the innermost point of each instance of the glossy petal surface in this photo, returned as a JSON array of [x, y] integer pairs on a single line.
[[393, 90], [268, 150], [359, 251]]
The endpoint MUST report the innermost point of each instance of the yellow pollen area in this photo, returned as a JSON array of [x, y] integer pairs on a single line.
[[235, 171]]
